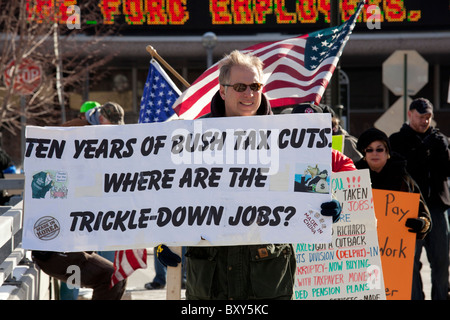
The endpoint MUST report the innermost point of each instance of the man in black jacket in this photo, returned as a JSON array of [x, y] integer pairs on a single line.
[[95, 270], [427, 154]]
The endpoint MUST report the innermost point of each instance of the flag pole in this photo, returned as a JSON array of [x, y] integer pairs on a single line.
[[174, 274], [155, 54]]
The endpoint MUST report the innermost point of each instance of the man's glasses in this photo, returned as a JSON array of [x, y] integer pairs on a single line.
[[241, 87], [379, 150]]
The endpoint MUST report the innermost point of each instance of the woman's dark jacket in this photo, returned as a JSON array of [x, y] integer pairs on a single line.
[[394, 177]]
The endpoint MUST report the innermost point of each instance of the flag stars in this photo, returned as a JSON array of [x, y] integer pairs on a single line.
[[158, 97], [325, 44]]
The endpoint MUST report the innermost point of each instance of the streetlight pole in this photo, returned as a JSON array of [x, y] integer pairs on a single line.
[[209, 41], [335, 87]]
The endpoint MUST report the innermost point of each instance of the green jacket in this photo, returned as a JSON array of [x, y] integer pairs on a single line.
[[240, 272]]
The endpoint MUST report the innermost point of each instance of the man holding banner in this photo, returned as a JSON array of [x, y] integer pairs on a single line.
[[246, 271], [93, 269]]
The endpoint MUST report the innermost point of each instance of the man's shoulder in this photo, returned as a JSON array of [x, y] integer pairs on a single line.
[[77, 122], [208, 115], [437, 131], [396, 135], [404, 131]]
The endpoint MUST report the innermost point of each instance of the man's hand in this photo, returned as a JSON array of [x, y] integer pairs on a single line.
[[166, 256], [332, 208]]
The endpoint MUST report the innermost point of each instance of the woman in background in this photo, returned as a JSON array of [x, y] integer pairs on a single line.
[[388, 172]]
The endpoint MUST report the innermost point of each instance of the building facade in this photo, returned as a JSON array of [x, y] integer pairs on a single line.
[[176, 29]]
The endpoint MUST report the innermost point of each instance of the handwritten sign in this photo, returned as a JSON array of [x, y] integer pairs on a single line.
[[397, 244], [240, 180], [349, 267]]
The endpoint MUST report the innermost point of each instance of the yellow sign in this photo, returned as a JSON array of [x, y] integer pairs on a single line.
[[338, 142]]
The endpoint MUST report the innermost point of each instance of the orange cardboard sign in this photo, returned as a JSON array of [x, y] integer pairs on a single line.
[[397, 244]]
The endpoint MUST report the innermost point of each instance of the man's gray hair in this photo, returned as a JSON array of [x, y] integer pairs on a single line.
[[237, 58]]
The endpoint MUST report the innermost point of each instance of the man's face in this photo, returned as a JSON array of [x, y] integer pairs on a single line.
[[104, 120], [419, 122], [244, 103]]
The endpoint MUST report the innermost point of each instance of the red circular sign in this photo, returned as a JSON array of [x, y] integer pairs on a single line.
[[28, 76]]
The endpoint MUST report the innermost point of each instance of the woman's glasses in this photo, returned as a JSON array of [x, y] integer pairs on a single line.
[[379, 150], [241, 87]]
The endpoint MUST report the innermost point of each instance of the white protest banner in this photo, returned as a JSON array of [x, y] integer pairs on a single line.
[[350, 266], [241, 180]]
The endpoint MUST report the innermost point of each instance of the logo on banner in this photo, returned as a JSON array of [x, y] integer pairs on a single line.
[[314, 221], [46, 228], [49, 182]]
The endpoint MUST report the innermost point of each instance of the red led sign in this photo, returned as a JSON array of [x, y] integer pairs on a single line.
[[244, 16]]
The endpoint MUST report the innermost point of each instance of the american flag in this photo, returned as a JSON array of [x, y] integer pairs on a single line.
[[156, 106], [296, 70], [158, 97], [126, 262]]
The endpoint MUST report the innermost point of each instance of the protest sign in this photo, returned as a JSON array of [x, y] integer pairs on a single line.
[[338, 142], [350, 266], [397, 244], [216, 181]]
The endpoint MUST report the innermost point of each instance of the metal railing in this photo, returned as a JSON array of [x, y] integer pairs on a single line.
[[20, 279]]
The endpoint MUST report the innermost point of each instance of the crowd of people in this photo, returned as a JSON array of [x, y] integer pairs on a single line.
[[416, 159]]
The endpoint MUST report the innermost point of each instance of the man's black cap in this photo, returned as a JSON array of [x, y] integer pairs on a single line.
[[422, 105]]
